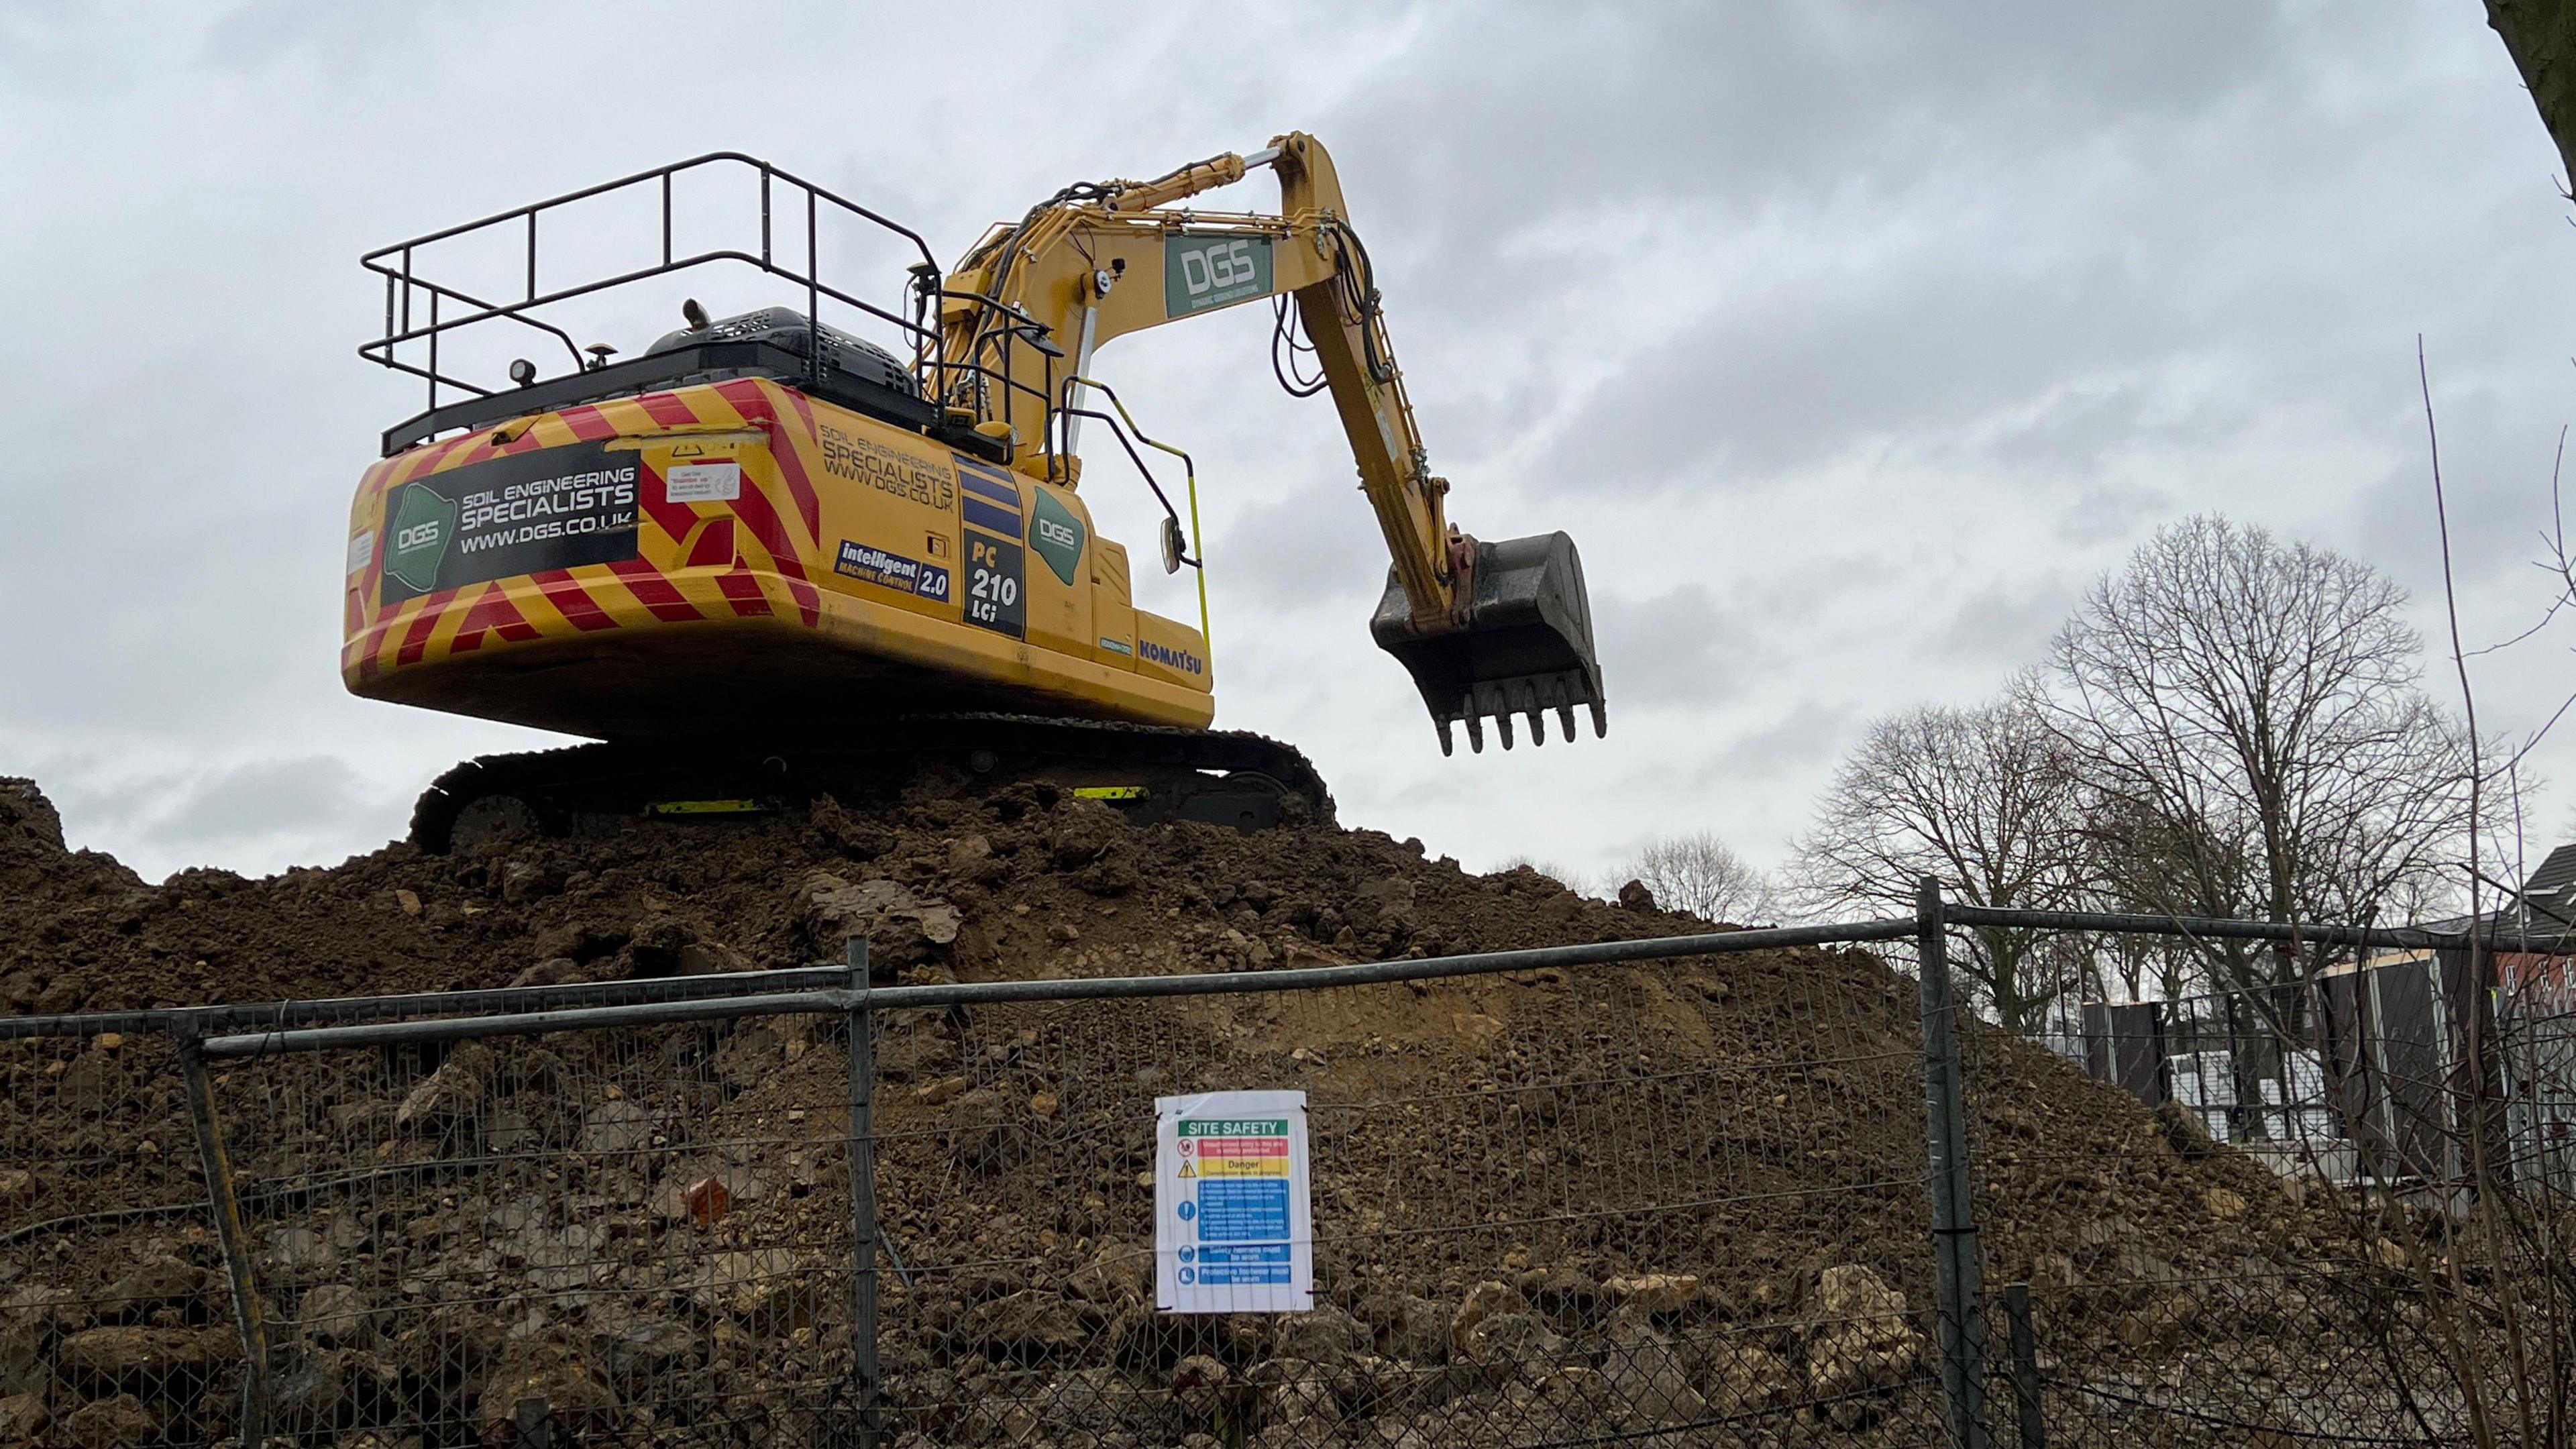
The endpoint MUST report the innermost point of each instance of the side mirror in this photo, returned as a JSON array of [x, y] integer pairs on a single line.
[[1171, 544]]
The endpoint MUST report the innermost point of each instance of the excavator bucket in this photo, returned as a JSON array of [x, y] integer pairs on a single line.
[[1525, 647]]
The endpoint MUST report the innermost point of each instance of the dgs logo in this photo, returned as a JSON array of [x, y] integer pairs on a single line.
[[420, 525], [1056, 535], [1200, 272], [1219, 266]]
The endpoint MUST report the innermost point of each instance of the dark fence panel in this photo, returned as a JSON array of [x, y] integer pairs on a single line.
[[115, 1324], [1634, 1191]]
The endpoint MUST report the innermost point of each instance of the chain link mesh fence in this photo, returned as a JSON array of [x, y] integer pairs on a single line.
[[115, 1324], [1541, 1201], [2270, 1309], [1558, 1199], [2376, 1251], [638, 1235]]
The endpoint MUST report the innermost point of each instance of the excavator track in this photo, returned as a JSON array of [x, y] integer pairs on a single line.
[[1148, 773]]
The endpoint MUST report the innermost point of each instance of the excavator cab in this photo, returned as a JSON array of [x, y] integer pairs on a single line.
[[1523, 648]]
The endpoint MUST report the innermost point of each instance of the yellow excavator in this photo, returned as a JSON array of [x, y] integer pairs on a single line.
[[768, 558]]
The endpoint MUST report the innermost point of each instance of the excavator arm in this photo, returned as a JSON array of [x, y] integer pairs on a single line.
[[1486, 629]]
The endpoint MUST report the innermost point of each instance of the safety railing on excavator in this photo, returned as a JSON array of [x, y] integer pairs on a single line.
[[423, 316]]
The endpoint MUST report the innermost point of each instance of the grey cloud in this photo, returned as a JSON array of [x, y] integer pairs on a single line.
[[2037, 280], [1848, 364], [1974, 281], [262, 798], [1681, 647], [2073, 433], [260, 812], [1315, 546], [260, 35], [2102, 513], [1593, 105], [1807, 735], [2496, 470], [2008, 626]]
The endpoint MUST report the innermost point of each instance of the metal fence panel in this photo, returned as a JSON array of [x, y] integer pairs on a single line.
[[115, 1324], [640, 1234], [1542, 1208], [1570, 1197], [2338, 1280]]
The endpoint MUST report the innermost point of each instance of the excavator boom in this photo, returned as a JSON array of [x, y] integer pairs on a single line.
[[1485, 629]]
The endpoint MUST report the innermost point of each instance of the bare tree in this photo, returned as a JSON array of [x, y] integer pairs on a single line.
[[2136, 859], [2248, 717], [2140, 964], [1983, 798], [1701, 874]]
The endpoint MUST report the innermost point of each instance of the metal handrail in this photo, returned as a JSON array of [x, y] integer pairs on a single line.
[[370, 259], [502, 1000], [404, 285], [985, 993]]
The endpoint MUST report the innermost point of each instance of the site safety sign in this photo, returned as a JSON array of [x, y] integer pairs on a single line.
[[1234, 1224]]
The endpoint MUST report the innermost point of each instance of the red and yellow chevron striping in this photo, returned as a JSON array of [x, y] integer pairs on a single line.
[[693, 561]]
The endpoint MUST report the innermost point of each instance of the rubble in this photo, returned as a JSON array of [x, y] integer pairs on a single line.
[[112, 1423], [130, 1358], [1862, 1339], [1655, 1292], [714, 1272]]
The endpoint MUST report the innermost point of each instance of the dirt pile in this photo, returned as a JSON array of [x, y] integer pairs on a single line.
[[1683, 1190], [39, 877], [1036, 882]]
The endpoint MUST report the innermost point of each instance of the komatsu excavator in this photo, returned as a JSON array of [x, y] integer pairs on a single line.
[[767, 558]]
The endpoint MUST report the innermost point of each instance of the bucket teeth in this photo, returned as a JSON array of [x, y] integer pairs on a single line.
[[1504, 702], [1521, 646]]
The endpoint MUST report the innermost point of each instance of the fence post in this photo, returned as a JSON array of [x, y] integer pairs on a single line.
[[1954, 1221], [863, 1193], [228, 1231], [2025, 1367]]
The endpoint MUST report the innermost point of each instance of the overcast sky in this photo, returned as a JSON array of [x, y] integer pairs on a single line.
[[1850, 343]]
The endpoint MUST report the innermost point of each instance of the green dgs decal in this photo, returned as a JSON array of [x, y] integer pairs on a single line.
[[1200, 272], [554, 508], [1056, 534], [416, 541]]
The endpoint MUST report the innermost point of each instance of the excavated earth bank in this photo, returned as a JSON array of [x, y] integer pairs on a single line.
[[1654, 1195]]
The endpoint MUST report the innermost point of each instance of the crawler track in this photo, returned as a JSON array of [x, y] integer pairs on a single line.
[[1148, 772]]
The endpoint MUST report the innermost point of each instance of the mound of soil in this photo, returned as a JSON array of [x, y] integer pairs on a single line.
[[1700, 1184], [1040, 881]]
